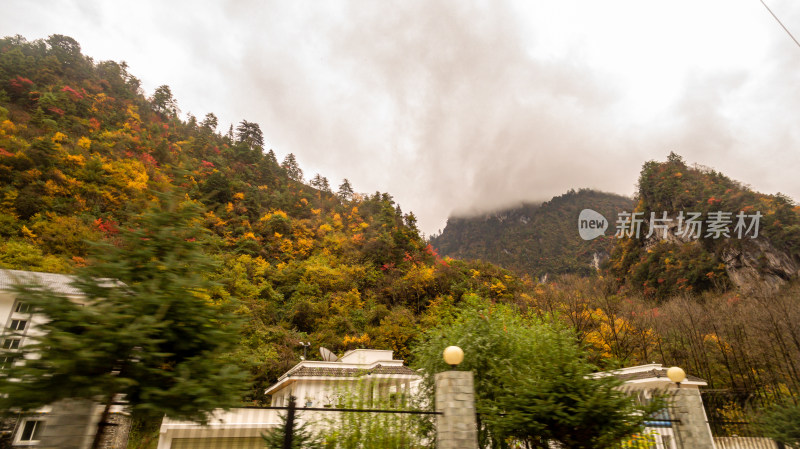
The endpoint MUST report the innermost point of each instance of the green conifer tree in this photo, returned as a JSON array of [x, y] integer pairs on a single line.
[[292, 168], [302, 436], [345, 191], [144, 329]]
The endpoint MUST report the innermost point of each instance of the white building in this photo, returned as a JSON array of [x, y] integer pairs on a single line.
[[319, 384], [369, 373], [19, 325], [67, 423], [644, 380], [652, 377]]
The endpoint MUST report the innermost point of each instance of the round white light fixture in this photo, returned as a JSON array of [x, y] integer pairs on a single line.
[[676, 374], [453, 355]]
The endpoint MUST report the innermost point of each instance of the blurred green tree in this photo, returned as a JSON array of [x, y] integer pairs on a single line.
[[533, 381], [145, 329], [781, 422]]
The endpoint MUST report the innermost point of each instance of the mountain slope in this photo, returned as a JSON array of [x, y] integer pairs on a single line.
[[535, 239], [82, 151], [673, 261]]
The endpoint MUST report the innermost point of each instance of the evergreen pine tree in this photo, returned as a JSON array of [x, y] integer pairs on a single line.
[[163, 102], [320, 182], [144, 329], [210, 122], [302, 436], [250, 134], [292, 168], [271, 157], [345, 191]]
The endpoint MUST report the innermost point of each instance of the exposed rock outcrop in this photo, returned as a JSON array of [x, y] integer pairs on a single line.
[[752, 264], [598, 258], [757, 264]]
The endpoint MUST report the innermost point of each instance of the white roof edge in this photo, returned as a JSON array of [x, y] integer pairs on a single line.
[[286, 377], [340, 365], [280, 382], [665, 380], [636, 369], [365, 350]]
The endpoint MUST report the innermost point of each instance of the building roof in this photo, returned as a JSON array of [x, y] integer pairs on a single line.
[[363, 356], [643, 375], [353, 365], [58, 283], [654, 373], [315, 371]]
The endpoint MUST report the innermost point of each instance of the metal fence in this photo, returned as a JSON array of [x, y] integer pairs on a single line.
[[401, 440], [374, 415], [391, 420], [731, 417], [661, 429], [291, 427]]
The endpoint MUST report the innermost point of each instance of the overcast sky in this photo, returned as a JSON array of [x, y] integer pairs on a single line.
[[457, 107]]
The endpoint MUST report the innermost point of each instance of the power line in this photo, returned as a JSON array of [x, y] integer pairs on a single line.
[[780, 23]]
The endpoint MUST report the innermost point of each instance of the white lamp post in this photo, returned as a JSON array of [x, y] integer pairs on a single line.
[[453, 355], [676, 375]]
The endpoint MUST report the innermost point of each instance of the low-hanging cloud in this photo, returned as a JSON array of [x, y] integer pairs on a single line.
[[443, 105], [440, 104]]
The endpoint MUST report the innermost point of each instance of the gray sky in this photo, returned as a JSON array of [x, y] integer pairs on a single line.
[[456, 107]]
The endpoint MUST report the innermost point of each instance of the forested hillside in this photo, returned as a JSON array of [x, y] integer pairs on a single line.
[[725, 308], [83, 151], [535, 239], [760, 250]]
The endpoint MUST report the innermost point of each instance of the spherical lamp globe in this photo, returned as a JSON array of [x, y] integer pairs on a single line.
[[453, 355], [676, 374]]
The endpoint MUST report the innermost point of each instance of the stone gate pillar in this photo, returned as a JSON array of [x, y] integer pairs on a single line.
[[456, 427], [693, 430]]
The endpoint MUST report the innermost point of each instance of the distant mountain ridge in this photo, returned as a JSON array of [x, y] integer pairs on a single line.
[[536, 239], [543, 239]]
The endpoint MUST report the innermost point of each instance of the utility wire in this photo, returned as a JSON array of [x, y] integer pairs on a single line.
[[781, 23]]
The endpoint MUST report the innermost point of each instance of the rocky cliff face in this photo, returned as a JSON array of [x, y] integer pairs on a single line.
[[757, 264], [752, 264]]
